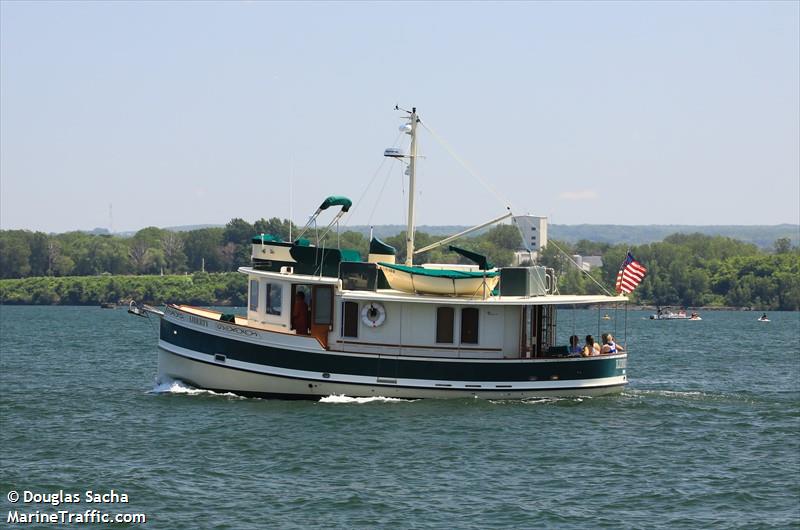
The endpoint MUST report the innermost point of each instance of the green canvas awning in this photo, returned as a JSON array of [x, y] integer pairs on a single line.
[[479, 259], [266, 238], [376, 246], [336, 200]]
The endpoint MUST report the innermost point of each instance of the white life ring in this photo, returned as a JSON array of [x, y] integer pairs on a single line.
[[373, 315]]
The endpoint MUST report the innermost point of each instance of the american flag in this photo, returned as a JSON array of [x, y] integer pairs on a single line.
[[630, 274]]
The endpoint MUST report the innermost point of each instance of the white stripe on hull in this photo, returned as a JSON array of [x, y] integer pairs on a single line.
[[246, 378]]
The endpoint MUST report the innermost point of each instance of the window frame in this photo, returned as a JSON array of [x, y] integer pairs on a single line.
[[322, 307], [271, 287], [254, 292], [345, 332], [464, 328], [439, 327]]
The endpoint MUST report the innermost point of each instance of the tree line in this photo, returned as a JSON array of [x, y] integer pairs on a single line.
[[683, 269], [690, 270]]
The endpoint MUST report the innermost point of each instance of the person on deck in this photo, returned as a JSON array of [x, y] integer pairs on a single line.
[[609, 346], [591, 348], [574, 348], [300, 314]]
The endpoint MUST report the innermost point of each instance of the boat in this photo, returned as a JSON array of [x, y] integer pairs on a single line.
[[679, 315], [763, 318], [108, 305], [444, 279], [323, 321], [606, 317]]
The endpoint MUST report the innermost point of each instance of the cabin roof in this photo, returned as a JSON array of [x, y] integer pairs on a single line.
[[287, 277], [390, 295]]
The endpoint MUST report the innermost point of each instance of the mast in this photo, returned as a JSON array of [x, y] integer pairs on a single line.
[[412, 167]]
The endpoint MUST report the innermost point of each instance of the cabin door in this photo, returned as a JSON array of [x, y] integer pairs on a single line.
[[531, 343], [321, 312]]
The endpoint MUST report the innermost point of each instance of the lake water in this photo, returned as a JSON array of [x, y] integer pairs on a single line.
[[707, 434]]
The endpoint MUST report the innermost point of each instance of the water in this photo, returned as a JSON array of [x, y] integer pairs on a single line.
[[706, 435]]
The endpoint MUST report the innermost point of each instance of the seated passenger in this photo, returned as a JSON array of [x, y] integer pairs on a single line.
[[574, 349], [609, 346], [591, 348]]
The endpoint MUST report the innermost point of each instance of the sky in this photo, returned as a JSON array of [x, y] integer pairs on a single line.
[[125, 115]]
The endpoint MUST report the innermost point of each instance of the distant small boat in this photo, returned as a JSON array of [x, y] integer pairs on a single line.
[[669, 315], [606, 317], [108, 305], [763, 318]]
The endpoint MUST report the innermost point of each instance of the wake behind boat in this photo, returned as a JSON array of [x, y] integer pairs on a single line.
[[321, 321]]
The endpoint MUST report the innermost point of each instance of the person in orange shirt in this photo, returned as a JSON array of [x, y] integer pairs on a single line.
[[300, 313]]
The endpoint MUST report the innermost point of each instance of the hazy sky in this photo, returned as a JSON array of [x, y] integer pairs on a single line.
[[188, 113]]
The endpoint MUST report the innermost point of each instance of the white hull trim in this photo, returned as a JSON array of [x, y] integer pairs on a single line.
[[203, 371]]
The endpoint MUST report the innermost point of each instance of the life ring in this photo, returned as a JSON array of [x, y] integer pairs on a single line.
[[373, 315]]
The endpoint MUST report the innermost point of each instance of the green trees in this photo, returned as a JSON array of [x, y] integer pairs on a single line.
[[198, 289], [203, 249], [15, 253], [696, 270], [683, 269]]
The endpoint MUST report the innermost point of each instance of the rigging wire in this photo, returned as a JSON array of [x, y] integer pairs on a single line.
[[386, 180], [371, 181], [601, 286], [505, 202]]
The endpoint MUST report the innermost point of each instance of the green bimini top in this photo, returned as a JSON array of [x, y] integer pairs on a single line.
[[336, 200], [440, 273]]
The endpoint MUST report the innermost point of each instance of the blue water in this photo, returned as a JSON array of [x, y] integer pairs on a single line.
[[706, 435]]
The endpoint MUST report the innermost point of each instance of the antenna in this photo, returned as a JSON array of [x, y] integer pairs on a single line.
[[291, 194], [110, 218]]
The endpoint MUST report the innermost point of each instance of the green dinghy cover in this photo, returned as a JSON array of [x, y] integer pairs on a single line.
[[439, 273]]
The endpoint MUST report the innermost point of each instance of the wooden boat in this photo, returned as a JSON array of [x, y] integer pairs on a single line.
[[442, 282], [433, 334]]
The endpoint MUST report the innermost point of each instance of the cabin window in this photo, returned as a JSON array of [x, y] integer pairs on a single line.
[[469, 325], [274, 298], [323, 305], [350, 319], [444, 325], [254, 295]]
